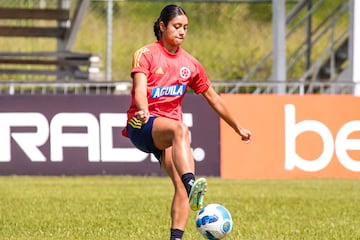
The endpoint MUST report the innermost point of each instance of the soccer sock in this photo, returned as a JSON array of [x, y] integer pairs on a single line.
[[188, 180], [176, 234]]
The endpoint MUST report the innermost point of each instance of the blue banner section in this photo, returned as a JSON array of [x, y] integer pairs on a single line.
[[81, 135]]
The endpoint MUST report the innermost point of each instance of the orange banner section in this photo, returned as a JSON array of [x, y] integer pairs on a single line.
[[293, 137]]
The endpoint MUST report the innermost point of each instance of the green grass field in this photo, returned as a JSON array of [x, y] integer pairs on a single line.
[[114, 207]]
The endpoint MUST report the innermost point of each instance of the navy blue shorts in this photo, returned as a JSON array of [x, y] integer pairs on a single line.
[[141, 136]]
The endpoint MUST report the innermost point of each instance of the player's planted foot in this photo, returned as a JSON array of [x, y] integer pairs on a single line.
[[196, 196]]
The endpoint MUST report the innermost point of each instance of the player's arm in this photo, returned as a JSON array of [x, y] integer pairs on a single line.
[[219, 106], [140, 88]]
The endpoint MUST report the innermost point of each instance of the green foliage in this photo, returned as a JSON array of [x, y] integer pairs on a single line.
[[262, 12], [101, 9], [119, 207]]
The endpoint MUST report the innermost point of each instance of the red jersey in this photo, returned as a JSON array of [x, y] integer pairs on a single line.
[[168, 77]]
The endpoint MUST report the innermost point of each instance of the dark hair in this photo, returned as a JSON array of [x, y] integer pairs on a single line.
[[168, 13]]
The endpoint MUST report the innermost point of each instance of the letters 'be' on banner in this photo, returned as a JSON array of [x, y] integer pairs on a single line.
[[293, 137]]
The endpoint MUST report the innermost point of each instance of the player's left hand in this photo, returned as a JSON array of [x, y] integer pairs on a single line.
[[245, 135]]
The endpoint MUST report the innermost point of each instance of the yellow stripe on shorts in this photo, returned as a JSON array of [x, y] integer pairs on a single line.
[[135, 123]]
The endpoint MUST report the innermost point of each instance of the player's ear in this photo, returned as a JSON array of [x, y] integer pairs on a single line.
[[162, 26]]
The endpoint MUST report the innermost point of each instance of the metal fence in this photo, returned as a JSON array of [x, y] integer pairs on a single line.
[[124, 87]]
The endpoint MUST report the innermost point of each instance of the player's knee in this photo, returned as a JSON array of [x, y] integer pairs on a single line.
[[181, 130]]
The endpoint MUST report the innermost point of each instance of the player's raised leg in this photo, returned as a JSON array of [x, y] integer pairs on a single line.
[[168, 132]]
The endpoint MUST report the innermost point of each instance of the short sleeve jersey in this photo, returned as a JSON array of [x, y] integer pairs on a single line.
[[168, 78]]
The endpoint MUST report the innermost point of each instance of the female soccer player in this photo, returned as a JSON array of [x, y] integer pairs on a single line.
[[161, 73]]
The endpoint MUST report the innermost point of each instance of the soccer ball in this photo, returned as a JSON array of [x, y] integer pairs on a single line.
[[214, 221]]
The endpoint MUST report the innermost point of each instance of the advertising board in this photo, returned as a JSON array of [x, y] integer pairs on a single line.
[[81, 135], [293, 137]]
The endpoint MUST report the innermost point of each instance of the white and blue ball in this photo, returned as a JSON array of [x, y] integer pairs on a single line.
[[214, 221]]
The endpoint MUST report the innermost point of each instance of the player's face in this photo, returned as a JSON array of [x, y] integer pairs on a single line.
[[175, 32]]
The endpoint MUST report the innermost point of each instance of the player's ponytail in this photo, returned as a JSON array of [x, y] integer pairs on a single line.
[[157, 30]]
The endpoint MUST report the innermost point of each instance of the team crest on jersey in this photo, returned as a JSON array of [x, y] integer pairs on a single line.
[[185, 72], [174, 90]]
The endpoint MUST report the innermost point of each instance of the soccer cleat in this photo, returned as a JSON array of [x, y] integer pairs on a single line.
[[197, 193]]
